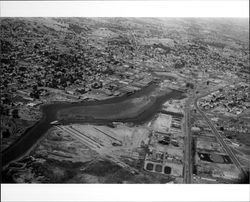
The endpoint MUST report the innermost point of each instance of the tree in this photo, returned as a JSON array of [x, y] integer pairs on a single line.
[[190, 85], [15, 114], [6, 133]]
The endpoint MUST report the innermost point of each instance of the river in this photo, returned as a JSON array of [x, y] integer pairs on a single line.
[[119, 109]]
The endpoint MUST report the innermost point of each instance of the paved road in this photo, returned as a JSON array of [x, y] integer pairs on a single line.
[[188, 165], [218, 136]]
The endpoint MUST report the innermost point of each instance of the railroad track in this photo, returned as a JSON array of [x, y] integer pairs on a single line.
[[218, 136]]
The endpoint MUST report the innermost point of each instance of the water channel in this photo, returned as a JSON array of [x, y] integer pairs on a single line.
[[118, 109]]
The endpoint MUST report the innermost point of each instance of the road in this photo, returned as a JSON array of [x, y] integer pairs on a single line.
[[60, 92], [218, 136], [188, 161], [188, 165]]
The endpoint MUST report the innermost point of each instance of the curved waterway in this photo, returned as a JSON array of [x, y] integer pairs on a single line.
[[136, 108]]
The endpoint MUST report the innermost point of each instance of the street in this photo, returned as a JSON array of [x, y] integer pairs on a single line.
[[188, 145], [218, 136]]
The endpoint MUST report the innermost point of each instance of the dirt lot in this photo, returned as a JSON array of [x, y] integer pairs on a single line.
[[162, 123]]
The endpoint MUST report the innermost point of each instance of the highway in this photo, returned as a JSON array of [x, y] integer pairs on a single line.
[[188, 165], [218, 136], [188, 161]]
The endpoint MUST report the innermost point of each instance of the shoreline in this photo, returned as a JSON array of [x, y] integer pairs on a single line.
[[31, 136]]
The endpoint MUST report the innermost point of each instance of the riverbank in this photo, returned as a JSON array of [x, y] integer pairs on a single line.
[[99, 114]]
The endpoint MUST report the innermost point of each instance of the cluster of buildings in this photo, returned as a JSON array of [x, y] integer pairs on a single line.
[[211, 163], [233, 100], [166, 155], [40, 63]]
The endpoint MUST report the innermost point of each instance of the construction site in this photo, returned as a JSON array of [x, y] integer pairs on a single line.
[[166, 153], [117, 152]]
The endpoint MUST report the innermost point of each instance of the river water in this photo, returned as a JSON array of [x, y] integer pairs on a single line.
[[51, 111]]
